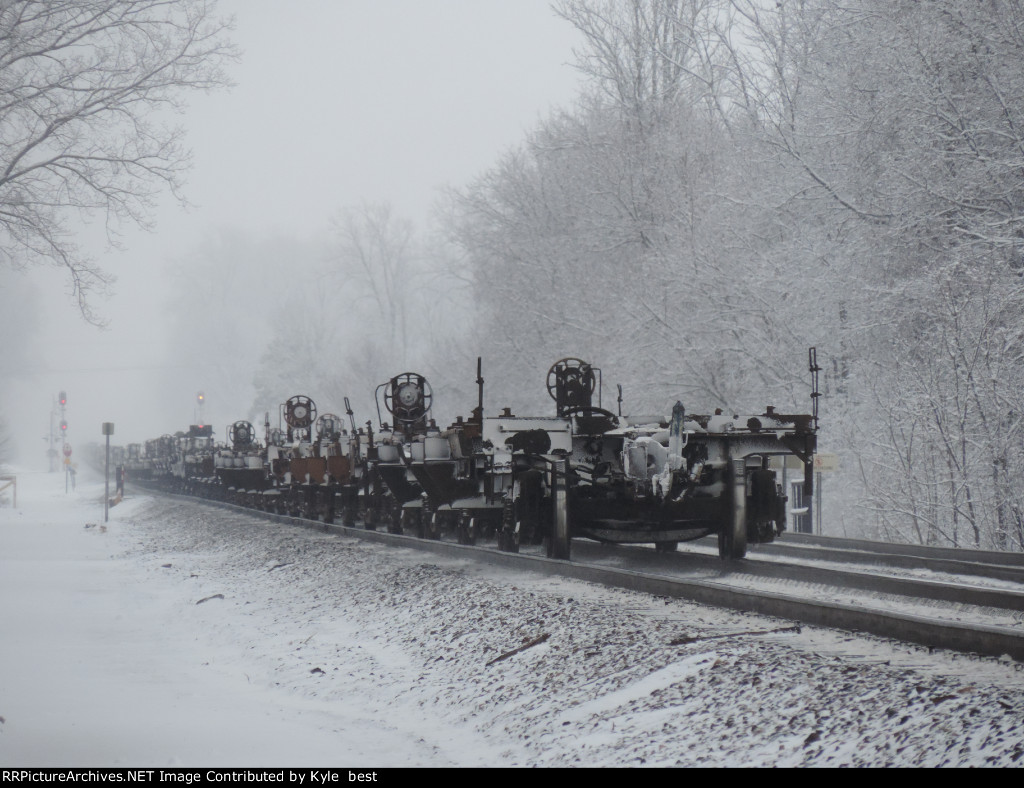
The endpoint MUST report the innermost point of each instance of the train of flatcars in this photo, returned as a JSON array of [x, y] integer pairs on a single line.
[[583, 472]]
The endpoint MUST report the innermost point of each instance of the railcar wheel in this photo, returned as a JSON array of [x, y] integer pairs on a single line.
[[508, 530], [424, 525], [395, 520], [508, 538], [409, 522], [310, 508], [467, 529], [512, 537], [328, 506], [433, 526]]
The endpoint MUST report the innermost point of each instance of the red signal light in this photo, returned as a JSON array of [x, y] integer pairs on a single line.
[[63, 399], [63, 426]]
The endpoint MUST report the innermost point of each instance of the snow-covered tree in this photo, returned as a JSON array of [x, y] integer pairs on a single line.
[[900, 125], [376, 259], [635, 229], [745, 180], [83, 89]]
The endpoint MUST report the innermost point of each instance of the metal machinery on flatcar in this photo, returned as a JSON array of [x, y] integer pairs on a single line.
[[637, 481], [583, 473], [158, 454], [287, 452], [330, 470], [392, 495], [462, 479], [240, 467], [455, 471], [192, 466], [480, 476], [137, 465], [310, 470]]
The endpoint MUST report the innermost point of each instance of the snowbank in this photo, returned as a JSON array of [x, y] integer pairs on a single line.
[[184, 635]]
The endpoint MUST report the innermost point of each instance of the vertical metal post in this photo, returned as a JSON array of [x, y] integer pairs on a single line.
[[817, 492], [106, 483], [785, 491], [108, 430], [52, 452], [736, 540], [807, 496], [558, 547], [480, 390]]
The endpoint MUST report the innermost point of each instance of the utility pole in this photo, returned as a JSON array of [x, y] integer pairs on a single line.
[[108, 430], [51, 453], [63, 399]]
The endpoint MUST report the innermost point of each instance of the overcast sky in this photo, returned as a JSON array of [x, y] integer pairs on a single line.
[[336, 102]]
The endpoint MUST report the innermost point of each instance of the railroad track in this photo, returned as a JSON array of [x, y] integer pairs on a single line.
[[977, 563], [949, 613], [923, 551], [862, 577]]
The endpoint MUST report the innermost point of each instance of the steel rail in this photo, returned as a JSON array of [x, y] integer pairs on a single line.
[[923, 551], [915, 588], [890, 558]]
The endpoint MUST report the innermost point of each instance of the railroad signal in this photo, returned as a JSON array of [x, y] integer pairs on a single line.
[[200, 398], [63, 425], [63, 399]]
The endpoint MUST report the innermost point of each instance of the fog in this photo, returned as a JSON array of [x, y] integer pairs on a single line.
[[335, 105]]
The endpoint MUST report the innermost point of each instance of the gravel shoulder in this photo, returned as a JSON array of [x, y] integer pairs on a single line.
[[604, 677]]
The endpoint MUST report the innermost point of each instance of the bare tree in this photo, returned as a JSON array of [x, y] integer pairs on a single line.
[[82, 87], [376, 252], [645, 55]]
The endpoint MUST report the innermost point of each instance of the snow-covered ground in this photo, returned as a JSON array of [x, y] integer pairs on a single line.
[[184, 635]]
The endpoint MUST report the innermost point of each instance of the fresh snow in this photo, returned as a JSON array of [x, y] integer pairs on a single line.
[[179, 634]]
